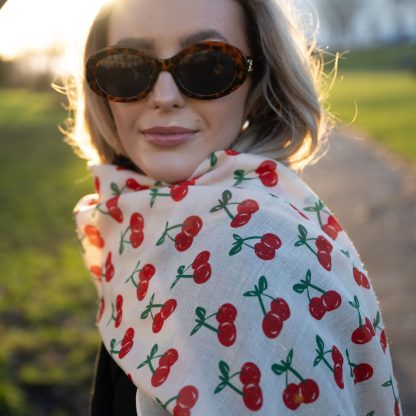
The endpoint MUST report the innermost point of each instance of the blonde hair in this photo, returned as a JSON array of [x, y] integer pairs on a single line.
[[285, 116]]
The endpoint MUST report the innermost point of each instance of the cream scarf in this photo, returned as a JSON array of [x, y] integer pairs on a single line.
[[234, 292]]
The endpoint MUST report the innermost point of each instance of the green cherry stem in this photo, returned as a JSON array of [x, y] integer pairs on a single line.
[[207, 325], [263, 308], [232, 386], [149, 361], [296, 373]]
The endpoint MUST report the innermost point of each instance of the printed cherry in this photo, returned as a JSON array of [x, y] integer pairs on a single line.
[[383, 340], [324, 259], [134, 185], [119, 310], [272, 325], [142, 287], [109, 267], [360, 278], [322, 244], [331, 300], [226, 313], [250, 373], [292, 397], [201, 258], [94, 236], [330, 230], [187, 397], [158, 322], [168, 308], [264, 252], [309, 390], [169, 357], [136, 239], [336, 355], [202, 273], [362, 372], [248, 206], [160, 375], [113, 209], [317, 308], [192, 226], [333, 222], [280, 307], [272, 241], [126, 343], [252, 396], [338, 375], [362, 335], [240, 219], [227, 333], [267, 173], [183, 241], [136, 222]]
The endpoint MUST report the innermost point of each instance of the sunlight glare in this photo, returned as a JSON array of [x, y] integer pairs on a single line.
[[27, 25]]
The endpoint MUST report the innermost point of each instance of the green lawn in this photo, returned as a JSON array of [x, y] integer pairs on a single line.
[[380, 103], [47, 302]]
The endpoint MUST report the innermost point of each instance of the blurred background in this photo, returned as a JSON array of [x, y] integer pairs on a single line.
[[48, 338]]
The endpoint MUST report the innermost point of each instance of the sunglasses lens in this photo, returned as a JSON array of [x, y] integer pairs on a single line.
[[207, 72], [123, 75]]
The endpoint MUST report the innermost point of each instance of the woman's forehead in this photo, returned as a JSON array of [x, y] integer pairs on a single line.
[[154, 24]]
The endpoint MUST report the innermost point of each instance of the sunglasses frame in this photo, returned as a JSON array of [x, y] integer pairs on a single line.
[[243, 63]]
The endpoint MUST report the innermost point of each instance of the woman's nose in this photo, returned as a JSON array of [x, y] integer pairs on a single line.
[[165, 92]]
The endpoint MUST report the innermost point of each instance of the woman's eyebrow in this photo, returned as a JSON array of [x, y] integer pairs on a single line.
[[148, 43]]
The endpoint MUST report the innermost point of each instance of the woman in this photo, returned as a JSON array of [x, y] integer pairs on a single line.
[[226, 286]]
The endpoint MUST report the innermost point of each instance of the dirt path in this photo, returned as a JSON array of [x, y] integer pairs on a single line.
[[374, 196]]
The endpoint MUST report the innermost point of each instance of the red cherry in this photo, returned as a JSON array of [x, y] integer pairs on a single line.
[[333, 222], [309, 390], [147, 272], [383, 340], [113, 209], [226, 313], [94, 236], [231, 152], [101, 310], [126, 343], [266, 166], [250, 373], [300, 212], [97, 184], [157, 323], [396, 408], [322, 244], [201, 258], [272, 241], [109, 268], [136, 239], [96, 271], [128, 336], [325, 260], [317, 308], [119, 302], [183, 241], [361, 335], [181, 411], [202, 273], [361, 278], [292, 397], [136, 222], [252, 396], [264, 252], [331, 300], [330, 230], [249, 206], [192, 226], [370, 326], [142, 289], [280, 307], [338, 376], [134, 185], [169, 357], [178, 192], [336, 355], [160, 375], [187, 397], [240, 219], [362, 372], [227, 333], [272, 325], [268, 178], [168, 308]]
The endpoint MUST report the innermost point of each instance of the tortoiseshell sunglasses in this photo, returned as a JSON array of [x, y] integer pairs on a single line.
[[205, 71]]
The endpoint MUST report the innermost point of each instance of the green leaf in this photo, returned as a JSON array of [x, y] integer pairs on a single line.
[[278, 369], [387, 383], [181, 269], [200, 312], [114, 187], [239, 173], [236, 249], [213, 159], [299, 243], [289, 357], [317, 360], [308, 276], [372, 413], [224, 368], [220, 387], [302, 231], [195, 329], [262, 284], [145, 313], [250, 293], [299, 288], [161, 240], [216, 208], [320, 343], [226, 196], [153, 350], [310, 209]]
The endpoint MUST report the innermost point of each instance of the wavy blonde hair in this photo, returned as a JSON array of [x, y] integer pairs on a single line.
[[285, 115]]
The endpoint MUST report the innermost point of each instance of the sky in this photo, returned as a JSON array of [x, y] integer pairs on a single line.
[[38, 24]]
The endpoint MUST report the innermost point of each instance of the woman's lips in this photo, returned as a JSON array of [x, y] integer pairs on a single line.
[[169, 136]]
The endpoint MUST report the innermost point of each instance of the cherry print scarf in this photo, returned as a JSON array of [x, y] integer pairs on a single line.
[[234, 292]]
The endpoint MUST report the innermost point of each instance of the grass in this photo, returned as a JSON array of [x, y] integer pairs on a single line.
[[381, 104], [47, 308]]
